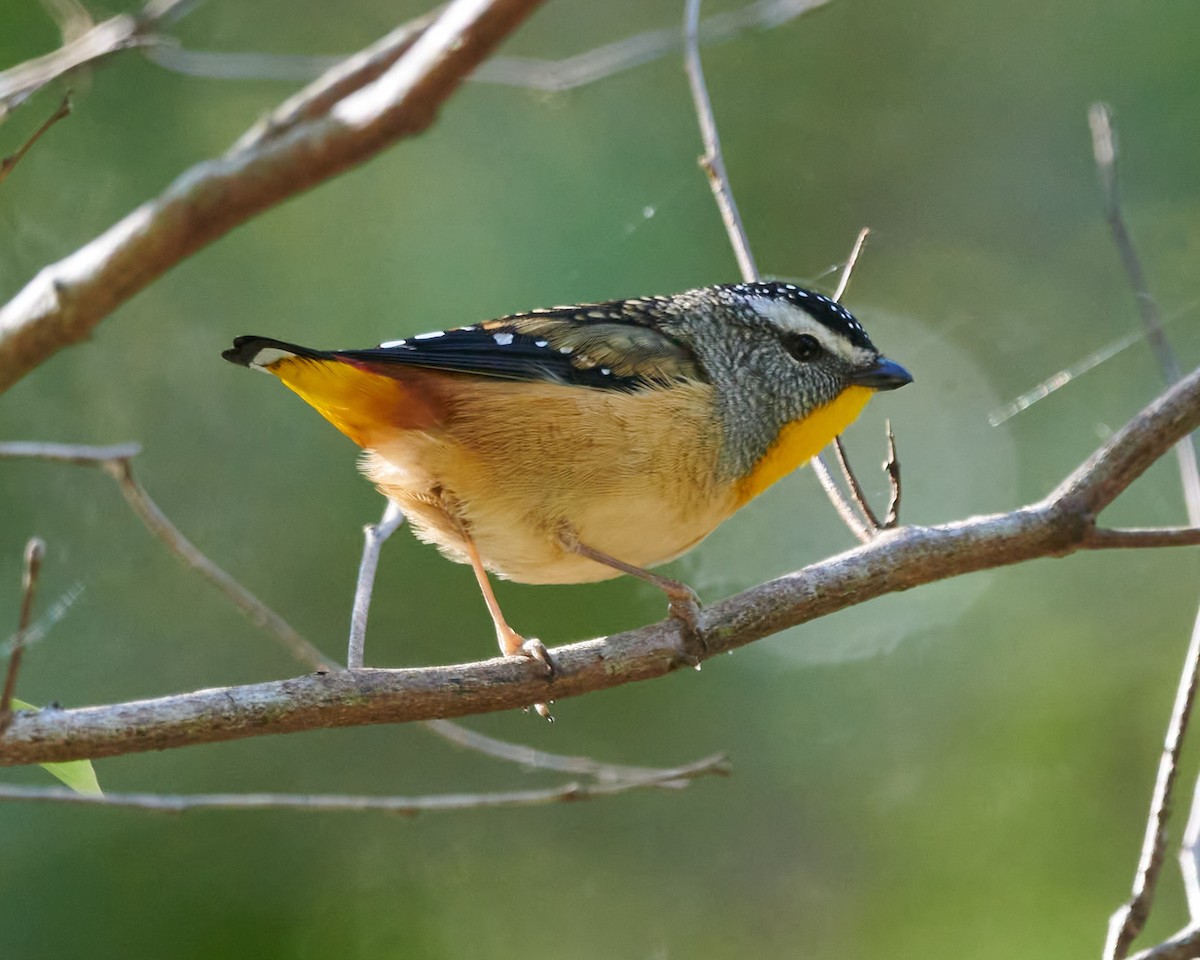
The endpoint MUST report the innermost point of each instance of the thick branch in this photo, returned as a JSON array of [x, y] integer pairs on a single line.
[[895, 560], [66, 300]]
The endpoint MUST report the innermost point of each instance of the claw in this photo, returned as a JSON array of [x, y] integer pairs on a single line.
[[534, 649], [684, 606]]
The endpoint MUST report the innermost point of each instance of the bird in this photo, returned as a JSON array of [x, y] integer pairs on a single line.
[[578, 443]]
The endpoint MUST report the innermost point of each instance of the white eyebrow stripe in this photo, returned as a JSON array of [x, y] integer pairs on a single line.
[[787, 316]]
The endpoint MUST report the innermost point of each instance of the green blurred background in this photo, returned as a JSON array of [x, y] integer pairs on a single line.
[[961, 770]]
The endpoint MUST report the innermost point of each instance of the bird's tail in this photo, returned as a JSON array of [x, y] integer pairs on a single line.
[[360, 401]]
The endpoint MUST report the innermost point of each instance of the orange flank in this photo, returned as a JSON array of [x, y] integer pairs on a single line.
[[358, 400], [801, 440]]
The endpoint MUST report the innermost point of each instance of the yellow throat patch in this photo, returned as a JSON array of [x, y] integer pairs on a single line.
[[801, 440]]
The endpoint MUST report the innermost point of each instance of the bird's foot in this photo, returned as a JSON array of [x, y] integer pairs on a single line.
[[512, 644]]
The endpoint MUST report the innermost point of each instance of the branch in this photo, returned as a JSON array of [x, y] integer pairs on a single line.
[[712, 162], [7, 164], [895, 560], [530, 73], [375, 535], [532, 759], [1129, 920], [1185, 945], [66, 300], [117, 463], [410, 806], [35, 549], [19, 83]]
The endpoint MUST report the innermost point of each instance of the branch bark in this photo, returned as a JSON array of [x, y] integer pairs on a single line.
[[66, 300], [895, 560]]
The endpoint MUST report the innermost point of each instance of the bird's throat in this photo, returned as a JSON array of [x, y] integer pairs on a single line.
[[801, 440]]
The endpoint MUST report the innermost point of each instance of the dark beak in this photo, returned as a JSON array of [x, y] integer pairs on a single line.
[[883, 374]]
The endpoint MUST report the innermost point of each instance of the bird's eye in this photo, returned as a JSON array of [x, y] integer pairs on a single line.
[[803, 347]]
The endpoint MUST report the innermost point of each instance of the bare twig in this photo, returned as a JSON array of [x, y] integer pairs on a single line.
[[19, 83], [550, 76], [533, 759], [375, 535], [7, 163], [117, 463], [893, 561], [112, 458], [871, 524], [342, 78], [844, 508], [1128, 922], [856, 490], [165, 803], [71, 16], [1185, 945], [851, 262], [66, 300], [1102, 539], [712, 163], [35, 549], [1104, 146], [891, 466]]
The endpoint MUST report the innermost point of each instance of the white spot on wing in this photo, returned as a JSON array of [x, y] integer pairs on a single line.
[[503, 339], [393, 343], [430, 336]]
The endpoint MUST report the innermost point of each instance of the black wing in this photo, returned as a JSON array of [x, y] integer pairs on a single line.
[[615, 346]]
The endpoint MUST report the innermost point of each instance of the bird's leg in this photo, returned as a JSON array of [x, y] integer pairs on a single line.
[[512, 644], [682, 602]]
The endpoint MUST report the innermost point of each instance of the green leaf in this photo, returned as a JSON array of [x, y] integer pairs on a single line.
[[79, 775]]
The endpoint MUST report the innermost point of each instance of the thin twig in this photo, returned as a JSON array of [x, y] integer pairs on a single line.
[[117, 463], [342, 78], [870, 522], [549, 76], [844, 508], [1104, 146], [856, 490], [166, 803], [1128, 922], [35, 549], [1185, 945], [1126, 537], [121, 32], [532, 759], [7, 164], [891, 466], [374, 537], [712, 162], [851, 262], [262, 615]]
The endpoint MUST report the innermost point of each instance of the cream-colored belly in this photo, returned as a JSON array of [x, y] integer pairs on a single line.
[[629, 475]]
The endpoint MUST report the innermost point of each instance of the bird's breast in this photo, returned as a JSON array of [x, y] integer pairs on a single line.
[[631, 474]]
